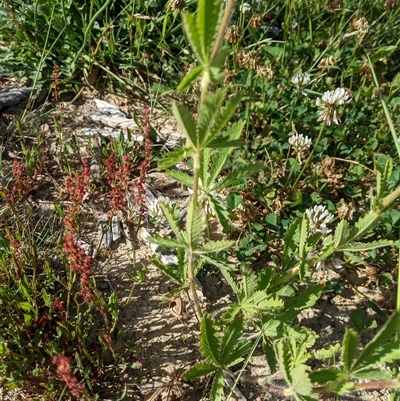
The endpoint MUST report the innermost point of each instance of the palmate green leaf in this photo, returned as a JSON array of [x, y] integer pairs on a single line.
[[284, 360], [258, 297], [386, 354], [209, 341], [367, 246], [217, 388], [190, 26], [221, 264], [173, 158], [194, 224], [182, 256], [249, 280], [306, 299], [218, 162], [172, 221], [266, 278], [223, 117], [389, 353], [292, 238], [248, 306], [198, 264], [199, 370], [370, 352], [238, 355], [190, 78], [350, 344], [327, 249], [172, 271], [230, 279], [323, 376], [207, 113], [303, 268], [216, 68], [267, 304], [387, 172], [382, 178], [234, 178], [363, 225], [216, 74], [301, 383], [220, 157], [221, 211], [214, 246], [221, 143], [208, 20], [219, 60], [372, 374], [186, 123], [341, 233], [232, 312], [270, 354], [327, 353], [270, 327], [233, 133], [181, 177], [170, 243], [231, 348], [303, 249]]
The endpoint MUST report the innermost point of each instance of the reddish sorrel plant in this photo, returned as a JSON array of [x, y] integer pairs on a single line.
[[118, 174], [77, 188], [126, 167], [63, 367], [40, 314], [79, 262]]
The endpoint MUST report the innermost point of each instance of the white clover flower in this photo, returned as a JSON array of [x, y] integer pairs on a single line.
[[329, 102], [319, 217], [245, 8], [299, 142], [301, 79]]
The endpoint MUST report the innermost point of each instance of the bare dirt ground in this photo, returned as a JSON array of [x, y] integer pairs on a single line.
[[162, 336]]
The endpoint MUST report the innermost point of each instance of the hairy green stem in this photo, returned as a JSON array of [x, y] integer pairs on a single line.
[[388, 200], [230, 6], [196, 175], [372, 385], [205, 82]]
